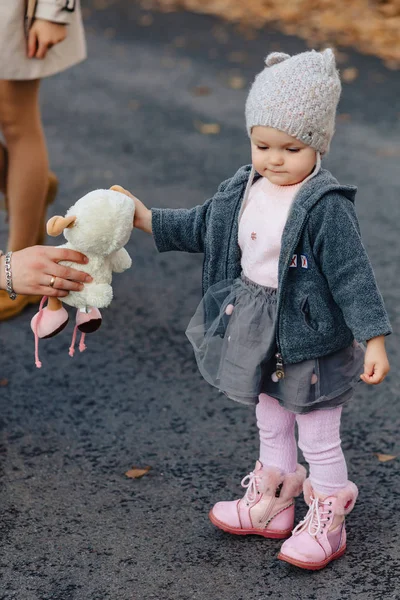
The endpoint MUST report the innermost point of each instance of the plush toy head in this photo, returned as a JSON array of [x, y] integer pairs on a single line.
[[99, 223]]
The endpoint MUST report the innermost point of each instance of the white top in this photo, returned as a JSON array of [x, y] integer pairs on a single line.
[[261, 225]]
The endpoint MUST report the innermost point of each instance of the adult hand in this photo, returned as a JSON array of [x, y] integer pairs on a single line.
[[33, 268], [43, 35]]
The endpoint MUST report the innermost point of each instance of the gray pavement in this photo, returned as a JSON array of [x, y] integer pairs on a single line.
[[72, 526]]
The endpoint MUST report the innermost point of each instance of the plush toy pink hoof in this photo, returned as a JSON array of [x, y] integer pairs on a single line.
[[47, 323], [88, 322]]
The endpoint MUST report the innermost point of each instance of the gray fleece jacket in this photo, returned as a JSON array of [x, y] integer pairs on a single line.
[[327, 293]]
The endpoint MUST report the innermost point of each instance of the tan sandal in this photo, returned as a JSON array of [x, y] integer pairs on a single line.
[[12, 308]]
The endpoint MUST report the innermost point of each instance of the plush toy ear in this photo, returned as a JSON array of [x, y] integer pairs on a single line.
[[56, 225], [330, 61], [276, 57]]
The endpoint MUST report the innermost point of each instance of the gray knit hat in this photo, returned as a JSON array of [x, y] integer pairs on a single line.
[[298, 95]]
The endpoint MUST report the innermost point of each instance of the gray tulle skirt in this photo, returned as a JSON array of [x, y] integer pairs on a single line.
[[233, 334]]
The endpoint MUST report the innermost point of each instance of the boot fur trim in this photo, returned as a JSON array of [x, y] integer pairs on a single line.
[[290, 484], [293, 483], [270, 479], [346, 497]]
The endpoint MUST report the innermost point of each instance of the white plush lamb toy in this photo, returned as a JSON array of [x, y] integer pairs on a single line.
[[98, 225]]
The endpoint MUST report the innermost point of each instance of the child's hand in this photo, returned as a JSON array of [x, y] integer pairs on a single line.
[[142, 218], [376, 364], [43, 35]]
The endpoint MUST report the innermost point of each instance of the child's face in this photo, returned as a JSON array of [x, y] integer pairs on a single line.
[[280, 158]]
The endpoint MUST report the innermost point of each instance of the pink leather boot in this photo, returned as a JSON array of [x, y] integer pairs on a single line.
[[321, 536], [267, 507]]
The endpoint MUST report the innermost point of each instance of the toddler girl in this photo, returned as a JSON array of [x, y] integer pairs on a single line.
[[289, 295]]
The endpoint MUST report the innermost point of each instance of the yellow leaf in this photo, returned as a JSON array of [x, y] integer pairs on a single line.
[[146, 20], [237, 57], [201, 90], [344, 117], [168, 61], [349, 74], [389, 151], [384, 457], [236, 82], [207, 128], [109, 33], [372, 26], [137, 472], [179, 42], [134, 105]]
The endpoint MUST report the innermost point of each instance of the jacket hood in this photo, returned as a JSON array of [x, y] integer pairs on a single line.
[[312, 191]]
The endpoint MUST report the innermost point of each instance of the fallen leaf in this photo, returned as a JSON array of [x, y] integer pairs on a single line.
[[247, 32], [119, 51], [393, 64], [341, 57], [237, 57], [86, 12], [350, 74], [147, 4], [185, 63], [102, 4], [109, 33], [389, 151], [371, 26], [384, 457], [377, 77], [134, 105], [220, 34], [201, 90], [179, 42], [237, 82], [168, 61], [344, 117], [207, 128], [146, 20], [137, 472], [3, 382]]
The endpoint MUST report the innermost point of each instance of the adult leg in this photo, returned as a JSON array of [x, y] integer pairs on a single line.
[[27, 169], [3, 168]]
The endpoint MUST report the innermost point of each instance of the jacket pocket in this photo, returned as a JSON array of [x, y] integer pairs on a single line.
[[305, 310], [318, 318]]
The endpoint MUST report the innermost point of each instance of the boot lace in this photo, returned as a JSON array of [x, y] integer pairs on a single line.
[[316, 519], [251, 482]]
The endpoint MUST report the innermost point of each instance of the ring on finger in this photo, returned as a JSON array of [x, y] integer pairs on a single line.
[[52, 281]]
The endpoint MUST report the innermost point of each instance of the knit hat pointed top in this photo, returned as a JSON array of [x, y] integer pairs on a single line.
[[298, 95]]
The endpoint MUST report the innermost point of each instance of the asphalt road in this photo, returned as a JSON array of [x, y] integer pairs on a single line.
[[73, 527]]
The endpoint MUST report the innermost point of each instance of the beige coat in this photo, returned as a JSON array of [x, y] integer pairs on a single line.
[[14, 63]]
